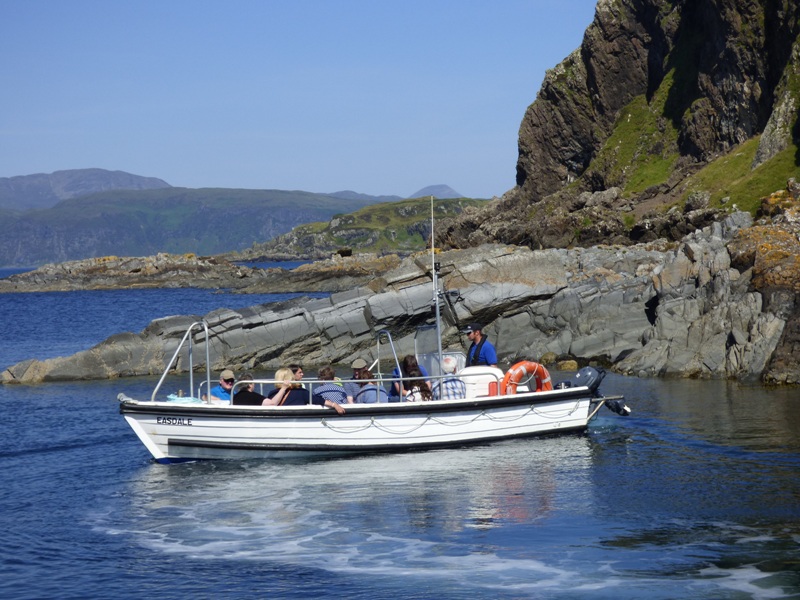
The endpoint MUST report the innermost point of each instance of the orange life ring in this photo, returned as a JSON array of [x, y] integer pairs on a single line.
[[520, 370]]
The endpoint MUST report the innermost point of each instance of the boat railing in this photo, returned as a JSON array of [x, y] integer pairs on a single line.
[[187, 340], [384, 333], [259, 384], [269, 384], [478, 382]]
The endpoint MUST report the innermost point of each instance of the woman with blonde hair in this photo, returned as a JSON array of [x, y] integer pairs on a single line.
[[290, 392], [287, 392]]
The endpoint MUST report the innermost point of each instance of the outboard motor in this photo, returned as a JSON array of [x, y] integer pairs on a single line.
[[590, 377], [617, 406]]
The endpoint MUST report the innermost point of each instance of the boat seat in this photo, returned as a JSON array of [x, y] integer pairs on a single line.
[[479, 379]]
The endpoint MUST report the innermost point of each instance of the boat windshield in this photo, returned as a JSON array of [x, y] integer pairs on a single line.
[[426, 349]]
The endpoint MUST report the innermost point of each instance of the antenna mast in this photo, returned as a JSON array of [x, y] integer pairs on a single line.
[[435, 272]]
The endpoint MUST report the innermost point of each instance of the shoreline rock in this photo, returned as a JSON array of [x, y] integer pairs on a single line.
[[683, 309], [187, 270]]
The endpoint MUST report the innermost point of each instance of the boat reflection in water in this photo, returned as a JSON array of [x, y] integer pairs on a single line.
[[383, 508]]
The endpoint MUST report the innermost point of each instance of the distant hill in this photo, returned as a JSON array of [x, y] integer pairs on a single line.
[[440, 191], [25, 192], [144, 222], [86, 213]]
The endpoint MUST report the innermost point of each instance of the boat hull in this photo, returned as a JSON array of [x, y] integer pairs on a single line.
[[176, 432]]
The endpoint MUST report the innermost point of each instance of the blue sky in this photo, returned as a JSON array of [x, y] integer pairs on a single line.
[[379, 97]]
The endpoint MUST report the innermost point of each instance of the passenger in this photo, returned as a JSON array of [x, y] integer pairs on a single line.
[[418, 389], [297, 373], [399, 389], [352, 388], [369, 392], [290, 392], [221, 393], [449, 387], [481, 351], [246, 395], [330, 394]]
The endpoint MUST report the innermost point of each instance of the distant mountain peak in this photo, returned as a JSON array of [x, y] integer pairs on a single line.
[[440, 191], [44, 190]]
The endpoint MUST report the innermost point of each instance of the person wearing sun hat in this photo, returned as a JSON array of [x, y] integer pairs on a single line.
[[481, 351], [352, 387], [222, 391]]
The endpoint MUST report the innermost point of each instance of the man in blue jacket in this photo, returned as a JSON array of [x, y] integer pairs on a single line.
[[222, 391], [481, 351]]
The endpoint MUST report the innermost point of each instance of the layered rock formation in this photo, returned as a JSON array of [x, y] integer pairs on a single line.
[[652, 309]]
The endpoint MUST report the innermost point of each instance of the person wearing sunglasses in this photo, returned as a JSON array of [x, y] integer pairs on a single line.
[[221, 393], [481, 351]]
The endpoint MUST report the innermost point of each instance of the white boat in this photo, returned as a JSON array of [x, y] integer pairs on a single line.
[[174, 432], [495, 406]]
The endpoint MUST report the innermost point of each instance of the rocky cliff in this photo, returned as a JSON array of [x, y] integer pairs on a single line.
[[659, 101]]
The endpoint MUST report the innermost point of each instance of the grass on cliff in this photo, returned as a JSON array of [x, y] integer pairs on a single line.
[[730, 176], [642, 150]]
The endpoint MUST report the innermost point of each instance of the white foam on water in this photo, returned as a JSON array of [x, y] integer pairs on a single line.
[[747, 580]]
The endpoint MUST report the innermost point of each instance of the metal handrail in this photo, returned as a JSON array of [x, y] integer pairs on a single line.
[[187, 335], [388, 334], [308, 384]]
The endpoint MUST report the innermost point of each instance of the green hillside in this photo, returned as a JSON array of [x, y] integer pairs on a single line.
[[145, 222], [402, 226], [730, 180]]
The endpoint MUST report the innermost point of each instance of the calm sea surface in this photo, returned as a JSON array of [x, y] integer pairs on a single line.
[[695, 495]]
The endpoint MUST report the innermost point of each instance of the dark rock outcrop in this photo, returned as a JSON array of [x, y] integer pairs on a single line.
[[702, 77], [771, 254]]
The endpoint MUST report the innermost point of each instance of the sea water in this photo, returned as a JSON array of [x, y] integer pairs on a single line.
[[695, 495]]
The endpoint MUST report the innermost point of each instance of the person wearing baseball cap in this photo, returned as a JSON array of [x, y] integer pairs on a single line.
[[481, 351], [222, 391], [353, 387]]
